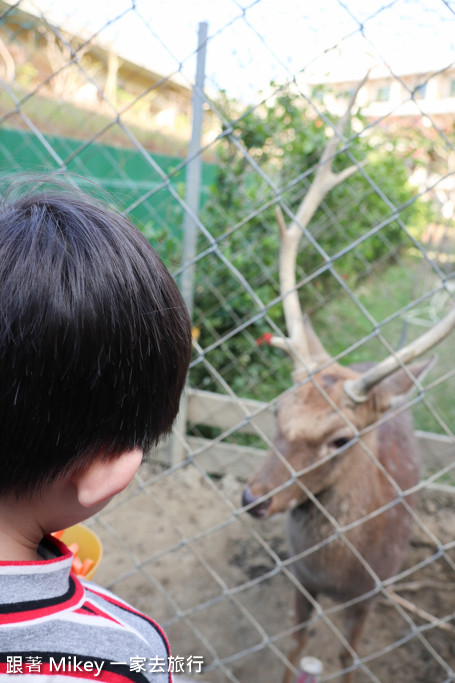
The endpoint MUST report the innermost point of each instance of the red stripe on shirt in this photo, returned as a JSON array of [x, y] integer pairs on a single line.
[[45, 669], [128, 608], [37, 610], [89, 608]]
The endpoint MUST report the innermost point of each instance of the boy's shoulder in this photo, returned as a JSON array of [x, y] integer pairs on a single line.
[[53, 624], [116, 608]]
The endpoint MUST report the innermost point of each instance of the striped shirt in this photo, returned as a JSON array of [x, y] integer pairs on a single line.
[[54, 627]]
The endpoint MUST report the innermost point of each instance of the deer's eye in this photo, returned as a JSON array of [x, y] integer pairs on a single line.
[[340, 442]]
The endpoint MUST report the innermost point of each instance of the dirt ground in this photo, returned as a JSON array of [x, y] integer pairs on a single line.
[[177, 547]]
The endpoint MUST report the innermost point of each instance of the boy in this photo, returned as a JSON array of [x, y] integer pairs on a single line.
[[95, 343]]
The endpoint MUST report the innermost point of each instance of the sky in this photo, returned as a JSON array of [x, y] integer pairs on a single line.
[[254, 42]]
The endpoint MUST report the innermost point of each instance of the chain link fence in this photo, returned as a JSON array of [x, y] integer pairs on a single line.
[[200, 157]]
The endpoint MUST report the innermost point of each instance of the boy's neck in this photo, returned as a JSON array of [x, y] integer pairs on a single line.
[[20, 535], [69, 499]]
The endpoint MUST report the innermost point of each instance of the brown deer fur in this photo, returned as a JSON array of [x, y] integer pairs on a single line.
[[342, 464], [365, 487]]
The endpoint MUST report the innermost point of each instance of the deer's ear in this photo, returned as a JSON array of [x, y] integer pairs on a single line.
[[395, 389]]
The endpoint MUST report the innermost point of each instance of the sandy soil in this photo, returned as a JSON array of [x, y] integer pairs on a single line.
[[176, 547]]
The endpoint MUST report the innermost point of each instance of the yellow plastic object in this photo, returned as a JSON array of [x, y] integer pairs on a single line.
[[90, 546]]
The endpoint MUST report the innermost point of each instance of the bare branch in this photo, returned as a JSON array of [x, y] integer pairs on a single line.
[[324, 181], [342, 124], [280, 220], [419, 612]]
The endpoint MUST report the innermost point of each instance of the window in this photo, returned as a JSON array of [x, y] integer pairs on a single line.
[[383, 93], [419, 91]]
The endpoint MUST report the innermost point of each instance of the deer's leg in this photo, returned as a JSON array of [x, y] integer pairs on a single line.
[[354, 621], [303, 609]]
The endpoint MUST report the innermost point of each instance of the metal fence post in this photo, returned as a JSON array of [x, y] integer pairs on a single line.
[[192, 201]]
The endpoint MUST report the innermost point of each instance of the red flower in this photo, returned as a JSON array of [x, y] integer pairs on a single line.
[[265, 339]]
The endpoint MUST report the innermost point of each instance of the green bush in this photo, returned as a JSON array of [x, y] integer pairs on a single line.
[[268, 155]]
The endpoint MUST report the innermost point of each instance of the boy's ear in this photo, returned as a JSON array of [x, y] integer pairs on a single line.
[[104, 477]]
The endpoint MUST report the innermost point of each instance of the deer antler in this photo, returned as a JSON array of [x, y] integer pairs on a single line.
[[358, 389], [325, 179]]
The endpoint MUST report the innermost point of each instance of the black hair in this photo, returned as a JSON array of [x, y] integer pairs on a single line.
[[95, 339]]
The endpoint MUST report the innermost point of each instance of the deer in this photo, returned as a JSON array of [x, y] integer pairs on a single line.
[[344, 463]]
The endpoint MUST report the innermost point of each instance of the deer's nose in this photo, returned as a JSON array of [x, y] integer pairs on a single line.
[[258, 510]]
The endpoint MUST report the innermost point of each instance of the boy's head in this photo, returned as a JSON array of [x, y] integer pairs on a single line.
[[95, 339]]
